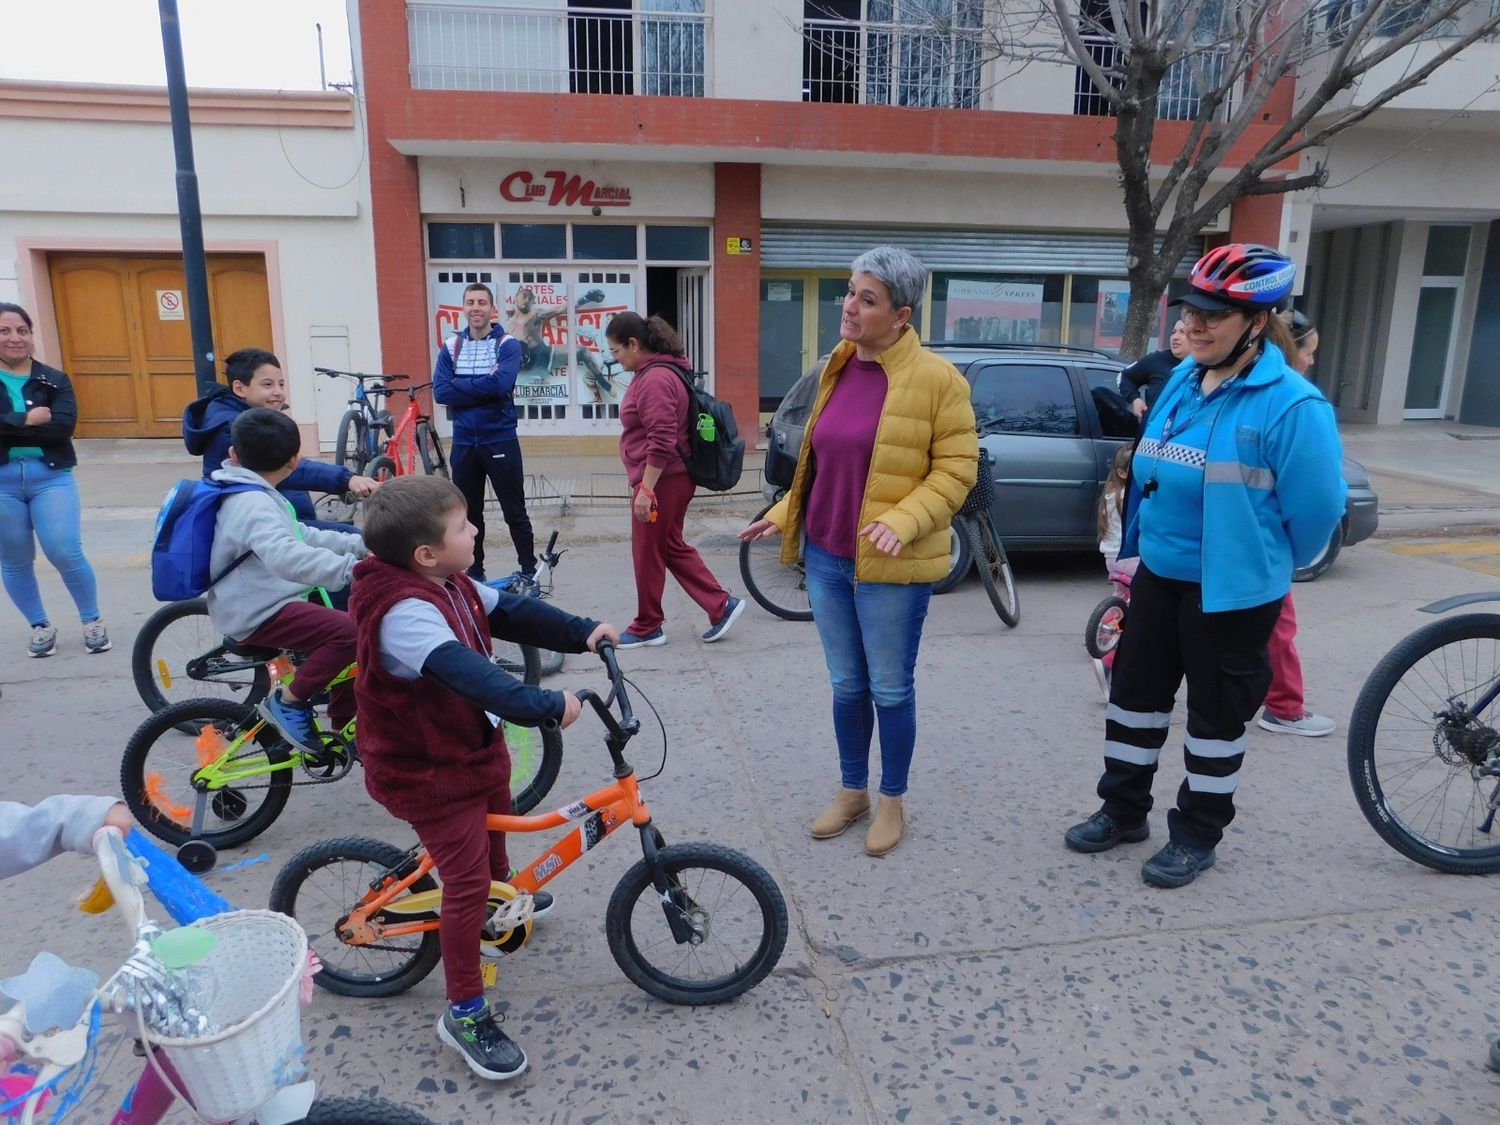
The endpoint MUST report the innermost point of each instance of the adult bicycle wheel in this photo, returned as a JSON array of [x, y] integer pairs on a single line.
[[178, 633], [156, 772], [1106, 623], [381, 469], [430, 448], [777, 587], [994, 569], [960, 558], [522, 661], [361, 1111], [350, 448], [337, 507], [321, 885], [729, 900], [1424, 751]]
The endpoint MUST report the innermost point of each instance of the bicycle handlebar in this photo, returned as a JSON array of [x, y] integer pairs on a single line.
[[627, 726], [358, 376]]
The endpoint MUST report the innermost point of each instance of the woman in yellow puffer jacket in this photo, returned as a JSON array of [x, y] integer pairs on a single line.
[[890, 453]]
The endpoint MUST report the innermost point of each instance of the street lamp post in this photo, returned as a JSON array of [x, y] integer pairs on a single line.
[[194, 265]]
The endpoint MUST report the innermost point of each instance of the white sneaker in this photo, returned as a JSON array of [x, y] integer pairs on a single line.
[[43, 640], [1307, 724], [96, 636]]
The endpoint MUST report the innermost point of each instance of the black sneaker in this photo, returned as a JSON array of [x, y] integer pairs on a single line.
[[1176, 865], [1099, 833], [541, 903], [489, 1052], [1495, 1054]]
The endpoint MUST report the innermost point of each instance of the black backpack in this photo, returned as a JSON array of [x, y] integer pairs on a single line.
[[715, 453]]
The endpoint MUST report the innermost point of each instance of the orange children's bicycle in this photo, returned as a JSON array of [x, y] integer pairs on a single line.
[[690, 923]]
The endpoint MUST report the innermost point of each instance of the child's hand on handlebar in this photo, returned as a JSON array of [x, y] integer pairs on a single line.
[[362, 486], [604, 632], [119, 817], [572, 708]]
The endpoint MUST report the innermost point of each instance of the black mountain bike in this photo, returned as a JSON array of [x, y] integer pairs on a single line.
[[1424, 742]]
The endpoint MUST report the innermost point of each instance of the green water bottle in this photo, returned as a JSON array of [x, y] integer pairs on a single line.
[[707, 430]]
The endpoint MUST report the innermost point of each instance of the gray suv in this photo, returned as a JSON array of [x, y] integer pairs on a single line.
[[1052, 417]]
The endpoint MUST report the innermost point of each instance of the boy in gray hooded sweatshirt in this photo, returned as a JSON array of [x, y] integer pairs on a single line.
[[263, 599]]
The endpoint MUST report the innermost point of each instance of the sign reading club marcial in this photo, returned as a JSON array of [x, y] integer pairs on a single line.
[[558, 188]]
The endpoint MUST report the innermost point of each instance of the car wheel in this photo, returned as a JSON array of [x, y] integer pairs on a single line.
[[1319, 566]]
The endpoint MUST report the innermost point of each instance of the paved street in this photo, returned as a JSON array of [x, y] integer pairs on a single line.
[[979, 972]]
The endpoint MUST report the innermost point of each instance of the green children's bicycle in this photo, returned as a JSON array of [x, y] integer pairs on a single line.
[[206, 774]]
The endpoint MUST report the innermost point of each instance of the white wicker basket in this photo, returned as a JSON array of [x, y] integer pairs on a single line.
[[250, 989]]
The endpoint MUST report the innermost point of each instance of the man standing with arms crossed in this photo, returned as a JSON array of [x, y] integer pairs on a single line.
[[475, 377]]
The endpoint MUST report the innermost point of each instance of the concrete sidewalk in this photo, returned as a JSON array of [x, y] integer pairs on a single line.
[[1432, 478]]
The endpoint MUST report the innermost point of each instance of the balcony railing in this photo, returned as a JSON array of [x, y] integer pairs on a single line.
[[1177, 99], [891, 63], [658, 48]]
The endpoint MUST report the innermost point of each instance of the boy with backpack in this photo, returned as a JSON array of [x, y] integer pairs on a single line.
[[255, 378], [264, 564], [432, 756]]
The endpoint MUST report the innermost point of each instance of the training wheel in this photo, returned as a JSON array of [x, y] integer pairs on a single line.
[[198, 856]]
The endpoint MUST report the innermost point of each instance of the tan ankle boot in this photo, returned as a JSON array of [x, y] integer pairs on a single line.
[[848, 806], [885, 829]]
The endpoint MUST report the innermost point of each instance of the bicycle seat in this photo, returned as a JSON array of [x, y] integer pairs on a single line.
[[250, 652]]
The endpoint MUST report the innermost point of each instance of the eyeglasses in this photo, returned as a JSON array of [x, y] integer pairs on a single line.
[[1190, 314]]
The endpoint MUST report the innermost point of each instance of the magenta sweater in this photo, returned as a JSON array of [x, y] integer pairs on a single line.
[[843, 442], [654, 418]]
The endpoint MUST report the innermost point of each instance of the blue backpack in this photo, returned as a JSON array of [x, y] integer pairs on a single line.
[[184, 539]]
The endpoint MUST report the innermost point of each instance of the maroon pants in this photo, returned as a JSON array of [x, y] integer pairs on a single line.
[[1284, 700], [468, 856], [325, 637], [656, 548]]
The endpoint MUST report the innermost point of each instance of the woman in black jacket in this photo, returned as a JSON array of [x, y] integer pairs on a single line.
[[38, 495], [1143, 380]]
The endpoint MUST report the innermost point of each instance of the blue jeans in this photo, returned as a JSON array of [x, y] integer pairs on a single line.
[[870, 633], [39, 503]]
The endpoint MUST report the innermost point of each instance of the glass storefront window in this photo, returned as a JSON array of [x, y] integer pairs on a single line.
[[997, 308], [460, 240], [1096, 317], [1447, 252], [676, 244], [604, 243], [534, 241]]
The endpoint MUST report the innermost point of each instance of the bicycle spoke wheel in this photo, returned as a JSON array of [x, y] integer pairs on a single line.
[[337, 507], [960, 558], [1424, 751], [994, 569], [733, 907], [535, 759], [778, 588], [521, 661], [321, 885], [1106, 623], [350, 449], [381, 469], [430, 447], [156, 772], [181, 632]]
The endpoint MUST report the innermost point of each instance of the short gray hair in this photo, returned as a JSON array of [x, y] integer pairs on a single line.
[[900, 271]]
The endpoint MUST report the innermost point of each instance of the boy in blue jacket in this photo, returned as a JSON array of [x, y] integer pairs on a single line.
[[255, 378]]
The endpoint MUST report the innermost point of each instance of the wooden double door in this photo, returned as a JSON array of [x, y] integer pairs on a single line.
[[123, 324]]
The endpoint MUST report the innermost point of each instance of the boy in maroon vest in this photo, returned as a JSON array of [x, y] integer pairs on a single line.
[[431, 755]]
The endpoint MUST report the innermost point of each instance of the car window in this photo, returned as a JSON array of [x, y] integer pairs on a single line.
[[1024, 399], [1115, 417]]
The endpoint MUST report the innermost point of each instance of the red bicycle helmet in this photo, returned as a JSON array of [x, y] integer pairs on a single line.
[[1242, 275]]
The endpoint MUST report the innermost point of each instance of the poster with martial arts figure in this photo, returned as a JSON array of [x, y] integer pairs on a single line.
[[601, 381], [536, 314]]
